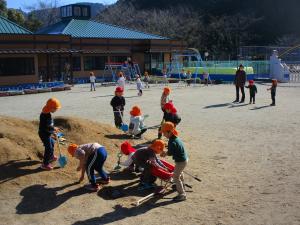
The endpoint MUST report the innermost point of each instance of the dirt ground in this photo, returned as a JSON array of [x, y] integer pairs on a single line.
[[247, 156]]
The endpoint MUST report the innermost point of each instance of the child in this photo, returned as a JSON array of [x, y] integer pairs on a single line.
[[165, 76], [177, 151], [146, 158], [121, 80], [273, 91], [46, 129], [165, 97], [136, 125], [92, 80], [146, 79], [129, 151], [163, 100], [170, 114], [139, 85], [118, 103], [188, 78], [205, 77], [252, 91], [91, 157]]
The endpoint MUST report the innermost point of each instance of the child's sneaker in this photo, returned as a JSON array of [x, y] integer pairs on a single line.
[[103, 181], [46, 167], [53, 159], [179, 198], [93, 187]]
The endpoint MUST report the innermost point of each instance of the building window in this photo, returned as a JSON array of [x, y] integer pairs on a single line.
[[69, 11], [118, 59], [85, 11], [77, 11], [16, 66], [94, 62], [76, 64], [64, 11]]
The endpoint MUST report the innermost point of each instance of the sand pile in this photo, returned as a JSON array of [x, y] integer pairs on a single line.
[[21, 148]]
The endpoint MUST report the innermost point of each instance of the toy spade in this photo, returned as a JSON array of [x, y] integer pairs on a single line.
[[117, 167], [62, 160]]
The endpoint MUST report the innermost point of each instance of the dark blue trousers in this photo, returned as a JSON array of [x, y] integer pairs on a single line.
[[48, 142], [96, 162]]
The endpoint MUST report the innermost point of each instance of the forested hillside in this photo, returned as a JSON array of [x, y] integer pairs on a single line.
[[218, 26]]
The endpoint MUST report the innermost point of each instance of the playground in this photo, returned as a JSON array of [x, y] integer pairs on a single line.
[[247, 157]]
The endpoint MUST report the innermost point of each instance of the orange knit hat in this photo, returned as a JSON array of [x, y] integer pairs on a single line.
[[157, 146], [169, 126], [51, 104], [167, 90], [135, 111], [72, 148]]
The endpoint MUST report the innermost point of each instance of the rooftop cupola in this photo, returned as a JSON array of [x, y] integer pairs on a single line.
[[75, 11]]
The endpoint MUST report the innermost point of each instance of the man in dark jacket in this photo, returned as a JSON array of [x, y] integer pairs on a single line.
[[239, 81]]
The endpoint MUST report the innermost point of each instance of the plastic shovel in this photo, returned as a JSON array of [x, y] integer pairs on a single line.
[[62, 160], [124, 127]]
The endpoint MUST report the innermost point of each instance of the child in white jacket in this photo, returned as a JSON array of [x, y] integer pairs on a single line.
[[136, 125]]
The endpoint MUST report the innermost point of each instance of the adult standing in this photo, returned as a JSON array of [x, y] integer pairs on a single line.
[[239, 81]]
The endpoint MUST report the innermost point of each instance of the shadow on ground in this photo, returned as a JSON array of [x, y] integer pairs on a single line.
[[120, 212], [217, 105], [17, 168], [39, 198], [261, 107], [117, 136]]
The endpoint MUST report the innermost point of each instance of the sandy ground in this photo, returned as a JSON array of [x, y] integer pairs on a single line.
[[247, 156]]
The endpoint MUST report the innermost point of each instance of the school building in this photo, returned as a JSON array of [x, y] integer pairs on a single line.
[[73, 47]]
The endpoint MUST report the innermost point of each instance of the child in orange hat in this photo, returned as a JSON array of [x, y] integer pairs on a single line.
[[273, 91], [252, 91], [177, 151], [146, 158], [128, 150], [46, 129], [91, 156], [136, 125], [118, 103], [170, 114], [165, 98]]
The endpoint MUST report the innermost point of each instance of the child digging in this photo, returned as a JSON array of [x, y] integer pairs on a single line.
[[177, 151], [91, 157], [146, 158], [46, 130], [118, 103], [273, 91], [136, 125], [252, 91]]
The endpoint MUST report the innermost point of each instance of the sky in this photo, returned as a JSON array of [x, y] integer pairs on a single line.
[[17, 4]]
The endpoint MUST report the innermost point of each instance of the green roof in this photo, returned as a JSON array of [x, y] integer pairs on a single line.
[[92, 29], [9, 27]]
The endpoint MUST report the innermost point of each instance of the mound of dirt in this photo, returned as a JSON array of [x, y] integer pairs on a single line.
[[22, 149]]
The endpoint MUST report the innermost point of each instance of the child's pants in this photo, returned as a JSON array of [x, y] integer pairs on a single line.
[[48, 142], [118, 119], [178, 177], [93, 86], [273, 97], [95, 162], [252, 97]]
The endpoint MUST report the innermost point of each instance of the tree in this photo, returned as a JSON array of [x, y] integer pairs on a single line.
[[32, 23], [15, 16], [3, 8]]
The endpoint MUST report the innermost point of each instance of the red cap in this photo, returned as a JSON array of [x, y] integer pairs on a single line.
[[119, 89], [171, 107], [251, 82], [126, 148]]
